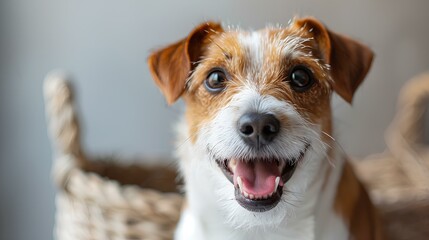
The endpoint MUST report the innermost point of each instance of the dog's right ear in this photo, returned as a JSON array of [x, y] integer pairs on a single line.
[[171, 66], [350, 60]]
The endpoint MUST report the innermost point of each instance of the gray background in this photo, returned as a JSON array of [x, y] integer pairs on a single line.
[[104, 44]]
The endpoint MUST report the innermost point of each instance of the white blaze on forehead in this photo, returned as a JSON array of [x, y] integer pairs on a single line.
[[252, 44], [257, 45]]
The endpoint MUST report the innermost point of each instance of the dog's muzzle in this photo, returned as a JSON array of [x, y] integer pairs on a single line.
[[259, 182]]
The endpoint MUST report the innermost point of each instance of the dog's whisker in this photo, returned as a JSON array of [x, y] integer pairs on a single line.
[[183, 143], [336, 143]]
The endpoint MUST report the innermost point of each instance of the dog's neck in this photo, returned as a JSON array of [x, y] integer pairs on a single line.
[[203, 210]]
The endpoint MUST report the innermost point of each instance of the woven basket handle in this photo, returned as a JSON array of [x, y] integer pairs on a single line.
[[404, 134], [63, 126]]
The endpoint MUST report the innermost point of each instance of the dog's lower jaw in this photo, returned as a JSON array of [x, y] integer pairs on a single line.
[[205, 217]]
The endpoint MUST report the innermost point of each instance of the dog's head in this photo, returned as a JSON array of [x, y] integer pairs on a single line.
[[258, 105]]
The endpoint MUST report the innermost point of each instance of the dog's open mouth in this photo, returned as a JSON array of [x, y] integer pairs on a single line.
[[259, 182]]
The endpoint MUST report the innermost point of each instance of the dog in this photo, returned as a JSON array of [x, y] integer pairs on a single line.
[[255, 145]]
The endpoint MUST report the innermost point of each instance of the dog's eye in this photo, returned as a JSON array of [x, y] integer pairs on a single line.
[[215, 81], [301, 79]]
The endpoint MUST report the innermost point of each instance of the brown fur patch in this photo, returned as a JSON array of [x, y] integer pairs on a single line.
[[354, 206]]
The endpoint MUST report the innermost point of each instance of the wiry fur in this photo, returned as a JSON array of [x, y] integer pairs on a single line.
[[257, 65], [212, 195]]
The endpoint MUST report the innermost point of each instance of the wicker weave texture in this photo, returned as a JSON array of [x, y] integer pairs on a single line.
[[97, 199], [398, 178]]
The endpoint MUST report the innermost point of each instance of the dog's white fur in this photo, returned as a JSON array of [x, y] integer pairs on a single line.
[[305, 211]]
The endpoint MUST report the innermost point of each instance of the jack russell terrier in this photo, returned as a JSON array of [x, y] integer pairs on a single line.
[[256, 151]]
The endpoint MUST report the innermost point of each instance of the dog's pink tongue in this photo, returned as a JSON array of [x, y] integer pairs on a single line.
[[258, 177]]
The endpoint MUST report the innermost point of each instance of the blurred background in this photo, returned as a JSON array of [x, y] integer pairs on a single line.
[[104, 45]]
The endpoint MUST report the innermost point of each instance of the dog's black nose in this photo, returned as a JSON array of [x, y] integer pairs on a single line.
[[258, 129]]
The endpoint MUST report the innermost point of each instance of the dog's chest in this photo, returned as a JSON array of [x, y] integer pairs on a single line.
[[193, 228]]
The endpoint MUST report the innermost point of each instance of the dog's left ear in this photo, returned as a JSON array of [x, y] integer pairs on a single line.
[[171, 66], [349, 60]]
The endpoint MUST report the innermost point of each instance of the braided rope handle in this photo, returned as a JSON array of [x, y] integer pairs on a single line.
[[67, 171], [403, 134], [63, 126]]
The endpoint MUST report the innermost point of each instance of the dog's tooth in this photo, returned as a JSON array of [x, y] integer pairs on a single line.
[[240, 183], [251, 196], [265, 196], [276, 183], [232, 165], [245, 194]]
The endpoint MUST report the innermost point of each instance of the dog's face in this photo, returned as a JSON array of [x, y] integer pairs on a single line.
[[258, 109]]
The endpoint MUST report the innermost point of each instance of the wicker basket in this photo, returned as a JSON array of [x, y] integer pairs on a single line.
[[398, 179], [99, 199]]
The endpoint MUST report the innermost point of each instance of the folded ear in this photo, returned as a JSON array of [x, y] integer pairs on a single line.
[[170, 66], [349, 60]]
